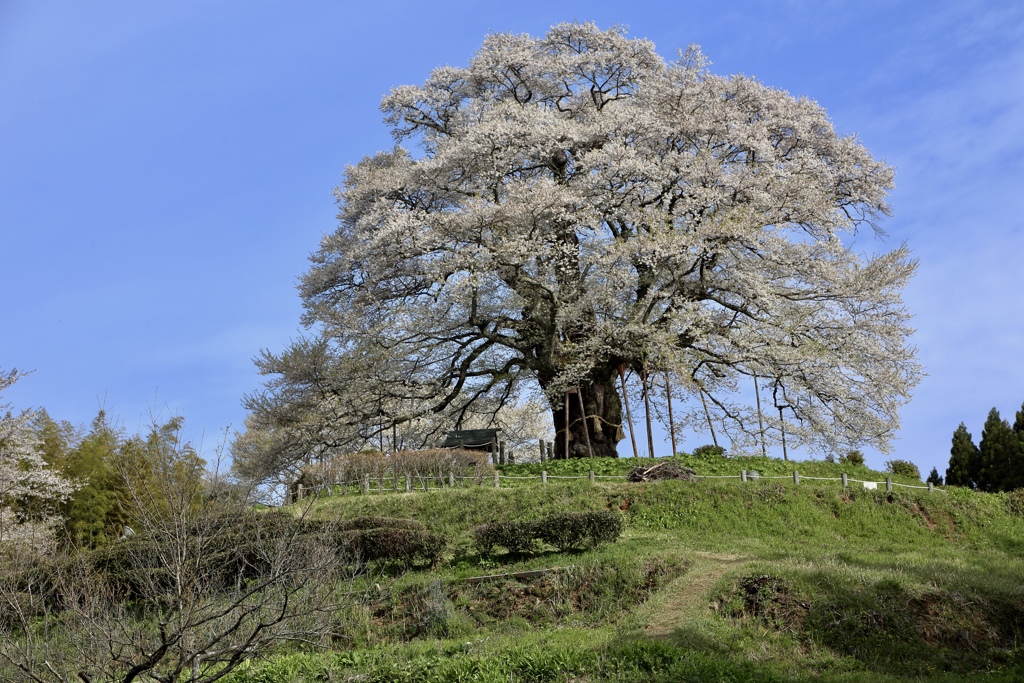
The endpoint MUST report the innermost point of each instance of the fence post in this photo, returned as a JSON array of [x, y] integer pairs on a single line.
[[501, 452], [542, 450], [497, 480], [796, 477], [551, 451], [591, 477], [426, 483], [931, 487], [844, 479], [888, 483], [451, 478], [298, 493], [408, 482], [366, 483], [494, 450], [544, 477], [743, 475]]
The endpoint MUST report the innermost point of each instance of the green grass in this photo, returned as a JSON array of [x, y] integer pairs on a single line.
[[714, 580], [709, 465]]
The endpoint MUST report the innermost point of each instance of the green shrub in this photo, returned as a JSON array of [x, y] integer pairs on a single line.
[[903, 468], [854, 457], [516, 537], [708, 449], [363, 523], [373, 539], [579, 529], [404, 545], [565, 531]]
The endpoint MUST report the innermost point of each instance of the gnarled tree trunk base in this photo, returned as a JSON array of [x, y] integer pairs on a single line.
[[602, 422]]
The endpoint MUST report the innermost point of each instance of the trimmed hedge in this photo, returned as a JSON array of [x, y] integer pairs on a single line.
[[373, 539], [404, 545], [366, 523], [516, 537], [571, 530], [565, 531]]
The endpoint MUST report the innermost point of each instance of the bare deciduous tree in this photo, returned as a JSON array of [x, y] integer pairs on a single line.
[[200, 586]]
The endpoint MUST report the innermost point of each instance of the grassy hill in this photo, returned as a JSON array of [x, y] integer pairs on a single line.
[[714, 580]]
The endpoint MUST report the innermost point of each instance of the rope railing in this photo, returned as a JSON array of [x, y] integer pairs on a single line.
[[423, 482]]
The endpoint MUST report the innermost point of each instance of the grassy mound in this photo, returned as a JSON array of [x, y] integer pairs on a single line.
[[713, 580]]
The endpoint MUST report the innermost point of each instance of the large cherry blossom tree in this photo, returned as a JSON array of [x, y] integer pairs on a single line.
[[569, 207]]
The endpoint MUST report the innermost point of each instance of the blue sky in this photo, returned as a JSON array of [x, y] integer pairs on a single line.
[[167, 167]]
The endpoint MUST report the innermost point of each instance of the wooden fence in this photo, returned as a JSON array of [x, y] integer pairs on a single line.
[[426, 483]]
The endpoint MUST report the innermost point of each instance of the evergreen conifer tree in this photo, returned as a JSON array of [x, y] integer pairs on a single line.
[[934, 477], [1015, 478], [963, 459], [998, 453]]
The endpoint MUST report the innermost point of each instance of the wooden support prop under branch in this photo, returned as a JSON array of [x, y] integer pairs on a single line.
[[567, 425], [586, 428], [707, 414], [782, 428], [760, 419], [647, 411], [671, 420], [629, 415]]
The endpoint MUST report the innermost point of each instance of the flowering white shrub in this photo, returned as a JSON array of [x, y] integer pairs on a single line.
[[29, 489]]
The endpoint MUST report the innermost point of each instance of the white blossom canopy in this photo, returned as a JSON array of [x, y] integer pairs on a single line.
[[571, 205]]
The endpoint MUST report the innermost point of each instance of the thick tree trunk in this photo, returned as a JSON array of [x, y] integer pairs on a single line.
[[603, 419]]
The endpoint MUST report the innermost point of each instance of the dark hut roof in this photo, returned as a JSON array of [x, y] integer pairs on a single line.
[[471, 438]]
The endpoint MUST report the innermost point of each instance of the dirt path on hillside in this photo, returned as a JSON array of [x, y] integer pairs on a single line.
[[688, 592]]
